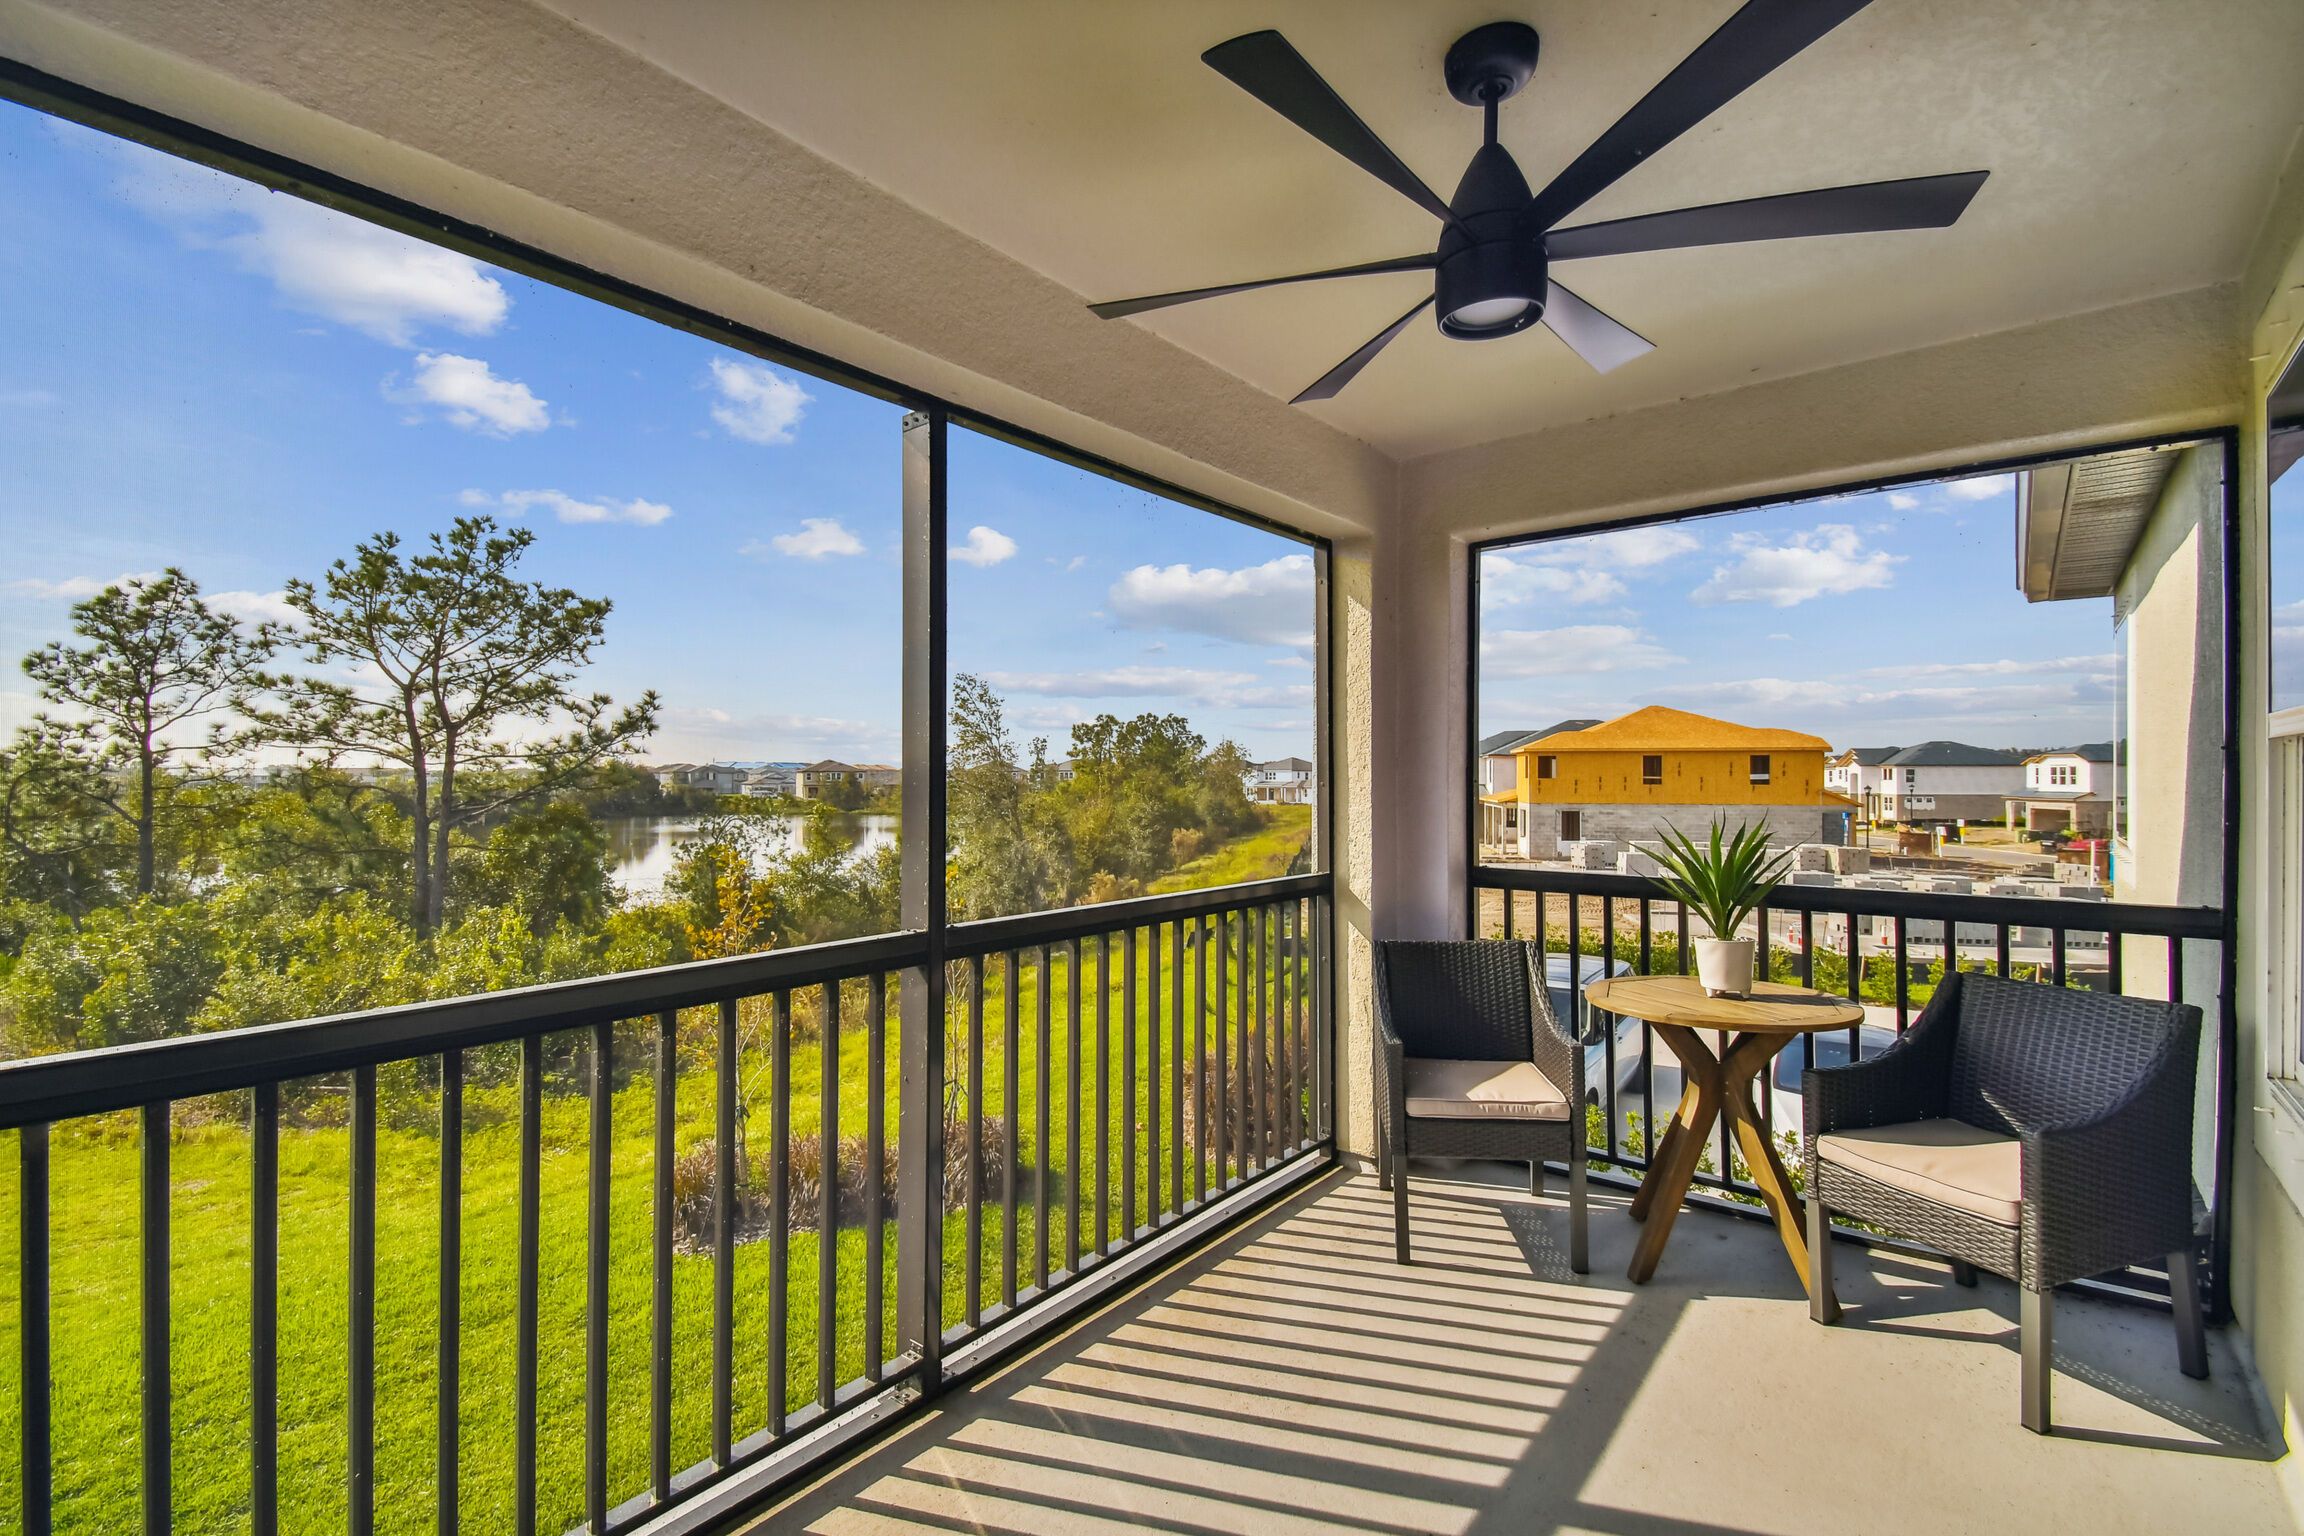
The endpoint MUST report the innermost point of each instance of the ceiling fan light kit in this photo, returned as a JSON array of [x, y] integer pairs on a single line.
[[1491, 268]]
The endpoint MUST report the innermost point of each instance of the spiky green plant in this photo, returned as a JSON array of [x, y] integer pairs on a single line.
[[1724, 882]]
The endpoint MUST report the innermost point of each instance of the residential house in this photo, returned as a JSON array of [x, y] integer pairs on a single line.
[[1282, 781], [772, 781], [2068, 791], [717, 778], [1499, 762], [1940, 782], [1857, 774], [817, 779], [1621, 780]]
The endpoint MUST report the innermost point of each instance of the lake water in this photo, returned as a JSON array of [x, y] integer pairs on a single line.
[[642, 848]]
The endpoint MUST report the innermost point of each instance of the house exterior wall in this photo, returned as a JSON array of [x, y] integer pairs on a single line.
[[1638, 823], [1973, 792], [1706, 777]]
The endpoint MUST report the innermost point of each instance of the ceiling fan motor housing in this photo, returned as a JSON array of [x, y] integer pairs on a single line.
[[1491, 276]]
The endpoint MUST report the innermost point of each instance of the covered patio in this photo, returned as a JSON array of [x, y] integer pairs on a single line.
[[1292, 1379]]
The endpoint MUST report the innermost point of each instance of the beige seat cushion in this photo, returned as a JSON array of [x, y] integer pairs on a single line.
[[1477, 1090], [1948, 1161]]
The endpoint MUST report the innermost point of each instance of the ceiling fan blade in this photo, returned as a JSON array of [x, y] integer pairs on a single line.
[[1326, 386], [1748, 45], [1919, 202], [1115, 308], [1604, 343], [1268, 67]]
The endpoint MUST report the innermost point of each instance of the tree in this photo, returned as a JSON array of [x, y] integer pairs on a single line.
[[159, 662], [999, 864], [466, 669]]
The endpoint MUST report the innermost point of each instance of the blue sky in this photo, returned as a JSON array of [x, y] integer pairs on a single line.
[[203, 374], [1879, 619]]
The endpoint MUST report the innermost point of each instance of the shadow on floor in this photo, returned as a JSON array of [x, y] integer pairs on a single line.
[[1295, 1379]]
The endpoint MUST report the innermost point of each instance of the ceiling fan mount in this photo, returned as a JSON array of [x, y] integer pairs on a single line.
[[1492, 266]]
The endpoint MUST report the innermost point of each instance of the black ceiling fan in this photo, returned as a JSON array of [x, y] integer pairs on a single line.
[[1492, 266]]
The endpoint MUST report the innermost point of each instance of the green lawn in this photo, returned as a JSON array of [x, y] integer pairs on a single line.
[[1263, 854], [95, 1262]]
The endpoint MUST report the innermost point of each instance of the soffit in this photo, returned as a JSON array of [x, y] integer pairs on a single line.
[[2132, 143]]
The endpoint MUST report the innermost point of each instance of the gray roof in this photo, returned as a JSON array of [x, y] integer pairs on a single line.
[[1871, 757], [1287, 765], [1513, 741], [1953, 754]]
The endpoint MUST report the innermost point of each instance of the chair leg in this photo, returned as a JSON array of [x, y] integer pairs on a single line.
[[2036, 1322], [1579, 1224], [1383, 1159], [1399, 1167], [2184, 1298], [1823, 1306], [1964, 1274]]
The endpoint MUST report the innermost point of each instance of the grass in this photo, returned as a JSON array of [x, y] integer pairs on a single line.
[[1263, 854], [95, 1257]]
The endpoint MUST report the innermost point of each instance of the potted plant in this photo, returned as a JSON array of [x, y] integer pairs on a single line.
[[1722, 883]]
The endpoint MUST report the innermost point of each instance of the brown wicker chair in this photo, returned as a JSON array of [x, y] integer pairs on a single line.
[[2041, 1133], [1471, 1062]]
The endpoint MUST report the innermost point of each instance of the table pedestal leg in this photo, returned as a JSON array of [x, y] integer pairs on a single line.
[[1661, 1150], [1750, 1056], [1684, 1144]]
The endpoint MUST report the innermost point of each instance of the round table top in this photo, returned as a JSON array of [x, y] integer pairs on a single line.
[[1772, 1007]]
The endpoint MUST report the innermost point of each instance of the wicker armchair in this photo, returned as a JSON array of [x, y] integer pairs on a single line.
[[2039, 1133], [1471, 1062]]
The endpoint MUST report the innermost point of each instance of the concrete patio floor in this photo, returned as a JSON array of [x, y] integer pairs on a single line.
[[1294, 1379]]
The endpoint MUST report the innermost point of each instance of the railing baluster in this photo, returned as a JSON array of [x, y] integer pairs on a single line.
[[447, 1458], [2114, 970], [1903, 976], [2000, 950], [524, 1345], [975, 1238], [1072, 1184], [32, 1337], [828, 1203], [1807, 979], [1264, 1064], [1511, 900], [1855, 981], [1043, 989], [600, 1101], [1292, 1123], [875, 1171], [1200, 1085], [724, 1238], [1229, 1140], [1011, 1086], [360, 1314], [263, 1315], [1128, 1026], [156, 1385], [660, 1312], [1104, 1094], [2056, 954], [1176, 1066], [779, 1209]]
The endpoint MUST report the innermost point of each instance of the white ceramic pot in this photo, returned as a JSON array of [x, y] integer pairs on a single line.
[[1724, 966]]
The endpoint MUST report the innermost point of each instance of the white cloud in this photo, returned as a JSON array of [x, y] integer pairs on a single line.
[[1198, 685], [1075, 562], [73, 589], [1903, 501], [985, 546], [255, 607], [1268, 604], [1571, 650], [1981, 488], [1625, 549], [819, 538], [756, 404], [318, 261], [1828, 559], [1507, 583], [567, 508], [467, 393]]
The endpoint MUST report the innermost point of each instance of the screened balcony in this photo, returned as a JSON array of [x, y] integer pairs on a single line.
[[1040, 1192]]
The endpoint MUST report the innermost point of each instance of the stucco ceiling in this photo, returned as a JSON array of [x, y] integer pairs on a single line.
[[2133, 146]]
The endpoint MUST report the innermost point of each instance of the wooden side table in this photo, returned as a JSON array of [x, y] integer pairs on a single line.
[[1762, 1024]]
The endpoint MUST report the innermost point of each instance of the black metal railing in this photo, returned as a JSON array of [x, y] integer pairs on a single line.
[[1885, 948], [711, 1057]]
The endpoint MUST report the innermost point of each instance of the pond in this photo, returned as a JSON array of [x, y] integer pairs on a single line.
[[641, 849]]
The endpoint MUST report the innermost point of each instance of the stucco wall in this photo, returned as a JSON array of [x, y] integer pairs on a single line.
[[2171, 601]]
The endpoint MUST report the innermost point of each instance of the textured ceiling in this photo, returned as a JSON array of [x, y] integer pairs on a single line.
[[2133, 146]]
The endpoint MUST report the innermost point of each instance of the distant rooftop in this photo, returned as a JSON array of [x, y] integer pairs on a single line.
[[1658, 728], [1513, 741], [1953, 754]]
